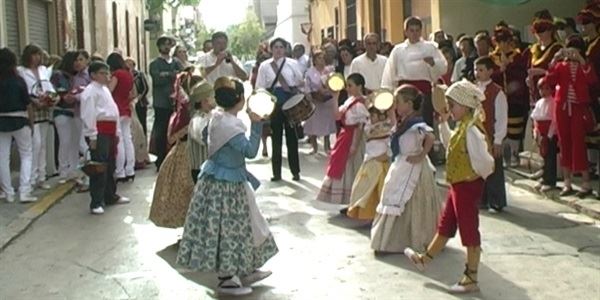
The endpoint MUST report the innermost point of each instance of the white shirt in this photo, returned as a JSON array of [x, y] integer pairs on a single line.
[[36, 86], [223, 69], [356, 114], [459, 66], [371, 70], [481, 160], [97, 104], [406, 63], [500, 113], [290, 72], [543, 111], [303, 63], [347, 71]]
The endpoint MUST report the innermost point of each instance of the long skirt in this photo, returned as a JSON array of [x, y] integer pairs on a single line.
[[173, 190], [367, 189], [417, 224], [338, 191], [140, 143], [218, 235]]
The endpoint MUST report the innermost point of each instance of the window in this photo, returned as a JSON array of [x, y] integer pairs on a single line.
[[115, 26], [351, 20], [127, 32], [79, 24]]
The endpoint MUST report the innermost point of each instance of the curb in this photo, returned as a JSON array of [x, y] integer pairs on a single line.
[[588, 207], [16, 227]]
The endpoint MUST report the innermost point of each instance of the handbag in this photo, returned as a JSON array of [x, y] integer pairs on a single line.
[[91, 167]]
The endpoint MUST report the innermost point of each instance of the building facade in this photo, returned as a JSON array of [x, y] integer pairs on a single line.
[[290, 15], [98, 26], [266, 11], [352, 19]]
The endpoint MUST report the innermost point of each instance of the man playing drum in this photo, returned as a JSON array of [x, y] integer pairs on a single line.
[[415, 62], [370, 64], [281, 76]]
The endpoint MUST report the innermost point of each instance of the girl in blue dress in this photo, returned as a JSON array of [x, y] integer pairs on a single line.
[[224, 231]]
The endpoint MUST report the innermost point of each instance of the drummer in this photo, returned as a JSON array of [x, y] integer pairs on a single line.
[[370, 64], [282, 77], [402, 67]]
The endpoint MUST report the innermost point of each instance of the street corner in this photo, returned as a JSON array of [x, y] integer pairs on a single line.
[[17, 217]]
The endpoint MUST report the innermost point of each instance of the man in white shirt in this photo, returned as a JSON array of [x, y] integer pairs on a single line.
[[417, 62], [283, 87], [219, 62], [370, 64], [100, 117], [299, 54]]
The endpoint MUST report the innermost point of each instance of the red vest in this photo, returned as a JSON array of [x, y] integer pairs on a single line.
[[489, 107]]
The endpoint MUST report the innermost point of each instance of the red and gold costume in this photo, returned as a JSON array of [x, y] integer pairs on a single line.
[[512, 81]]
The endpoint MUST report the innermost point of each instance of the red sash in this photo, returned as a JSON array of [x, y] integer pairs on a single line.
[[341, 150], [422, 85], [107, 127]]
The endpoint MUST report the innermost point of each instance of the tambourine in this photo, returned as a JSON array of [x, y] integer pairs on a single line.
[[336, 82], [382, 99], [262, 103], [438, 98]]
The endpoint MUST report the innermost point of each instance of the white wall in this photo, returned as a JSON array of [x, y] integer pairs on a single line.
[[290, 14]]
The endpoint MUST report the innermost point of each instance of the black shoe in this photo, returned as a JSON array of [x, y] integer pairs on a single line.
[[132, 178], [276, 178], [584, 193], [566, 192], [344, 211], [122, 179], [296, 177]]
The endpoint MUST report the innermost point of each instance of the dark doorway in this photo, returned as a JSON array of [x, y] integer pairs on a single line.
[[79, 24]]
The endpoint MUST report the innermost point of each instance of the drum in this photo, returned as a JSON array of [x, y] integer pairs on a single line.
[[383, 99], [438, 98], [261, 103], [336, 82], [298, 109]]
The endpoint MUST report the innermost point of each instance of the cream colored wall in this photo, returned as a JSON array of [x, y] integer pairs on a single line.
[[322, 16], [393, 21], [457, 16], [104, 25]]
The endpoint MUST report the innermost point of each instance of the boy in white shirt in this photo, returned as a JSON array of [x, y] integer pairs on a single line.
[[544, 133], [100, 117], [495, 107]]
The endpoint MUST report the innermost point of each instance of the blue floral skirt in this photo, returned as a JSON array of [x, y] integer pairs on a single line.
[[217, 234]]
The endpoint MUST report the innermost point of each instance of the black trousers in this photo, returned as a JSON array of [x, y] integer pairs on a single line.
[[195, 174], [142, 113], [549, 177], [103, 187], [159, 133], [427, 110], [279, 123], [494, 194]]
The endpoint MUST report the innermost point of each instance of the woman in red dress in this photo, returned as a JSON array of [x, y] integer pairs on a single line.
[[573, 76]]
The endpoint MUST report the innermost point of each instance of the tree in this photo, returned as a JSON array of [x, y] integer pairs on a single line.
[[202, 33], [155, 6], [245, 37]]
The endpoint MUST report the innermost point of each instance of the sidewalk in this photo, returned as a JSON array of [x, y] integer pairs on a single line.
[[16, 217], [521, 177]]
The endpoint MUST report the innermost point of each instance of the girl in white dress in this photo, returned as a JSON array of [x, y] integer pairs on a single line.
[[409, 207]]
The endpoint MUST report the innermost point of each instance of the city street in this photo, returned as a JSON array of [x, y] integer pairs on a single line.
[[537, 249]]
